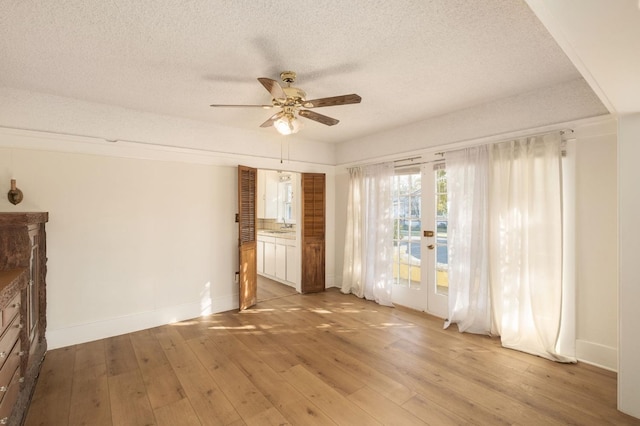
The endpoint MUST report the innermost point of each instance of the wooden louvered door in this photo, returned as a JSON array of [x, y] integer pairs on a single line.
[[247, 197], [313, 232]]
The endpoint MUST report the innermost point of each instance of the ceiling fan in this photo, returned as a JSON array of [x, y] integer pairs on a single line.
[[293, 104]]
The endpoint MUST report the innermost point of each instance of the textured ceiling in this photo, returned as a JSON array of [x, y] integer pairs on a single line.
[[409, 60]]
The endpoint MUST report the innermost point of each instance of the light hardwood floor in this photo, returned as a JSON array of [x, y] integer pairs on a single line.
[[325, 358], [269, 289]]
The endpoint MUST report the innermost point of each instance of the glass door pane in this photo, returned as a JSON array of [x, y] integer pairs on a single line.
[[437, 219], [442, 249], [408, 277], [407, 227]]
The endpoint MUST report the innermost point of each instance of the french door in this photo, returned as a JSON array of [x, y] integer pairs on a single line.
[[420, 252]]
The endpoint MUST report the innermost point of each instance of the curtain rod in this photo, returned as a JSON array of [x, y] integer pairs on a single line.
[[398, 166], [391, 161], [407, 159], [562, 132]]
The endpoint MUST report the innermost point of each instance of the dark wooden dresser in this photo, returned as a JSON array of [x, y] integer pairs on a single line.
[[23, 302]]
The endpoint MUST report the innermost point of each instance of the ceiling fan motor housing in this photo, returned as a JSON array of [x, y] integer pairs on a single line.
[[294, 93]]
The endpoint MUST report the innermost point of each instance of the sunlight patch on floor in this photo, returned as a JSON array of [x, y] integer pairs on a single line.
[[240, 327], [320, 311], [254, 311]]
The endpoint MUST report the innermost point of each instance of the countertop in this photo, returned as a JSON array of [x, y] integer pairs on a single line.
[[284, 233]]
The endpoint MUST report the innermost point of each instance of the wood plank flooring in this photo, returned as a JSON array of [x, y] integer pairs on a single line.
[[269, 289], [322, 359]]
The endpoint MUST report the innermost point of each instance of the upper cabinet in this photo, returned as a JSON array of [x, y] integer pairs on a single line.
[[267, 194]]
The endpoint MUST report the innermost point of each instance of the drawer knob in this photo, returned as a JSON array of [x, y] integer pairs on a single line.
[[21, 353], [19, 326], [4, 421], [3, 355], [3, 388], [16, 305]]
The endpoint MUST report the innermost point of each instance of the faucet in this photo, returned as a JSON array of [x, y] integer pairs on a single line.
[[285, 224]]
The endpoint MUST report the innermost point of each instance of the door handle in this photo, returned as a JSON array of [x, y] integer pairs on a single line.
[[428, 233], [431, 246]]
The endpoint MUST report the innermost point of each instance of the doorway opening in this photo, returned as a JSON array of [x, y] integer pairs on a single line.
[[278, 236]]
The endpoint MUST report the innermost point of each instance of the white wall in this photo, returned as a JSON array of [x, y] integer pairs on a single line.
[[596, 246], [629, 206], [137, 237], [131, 243], [341, 196]]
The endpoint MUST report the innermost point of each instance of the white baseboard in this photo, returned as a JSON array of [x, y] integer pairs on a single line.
[[82, 333], [329, 281], [596, 354], [224, 304]]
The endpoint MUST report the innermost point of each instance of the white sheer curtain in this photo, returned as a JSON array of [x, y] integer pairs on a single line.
[[468, 233], [506, 243], [527, 244], [368, 254]]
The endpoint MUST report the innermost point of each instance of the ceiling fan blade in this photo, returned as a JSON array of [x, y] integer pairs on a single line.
[[241, 106], [318, 117], [272, 119], [334, 100], [273, 87]]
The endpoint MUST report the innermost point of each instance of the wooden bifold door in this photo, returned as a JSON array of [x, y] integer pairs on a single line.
[[247, 233], [313, 232]]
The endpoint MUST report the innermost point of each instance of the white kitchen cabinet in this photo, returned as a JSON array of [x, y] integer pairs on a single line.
[[281, 259], [260, 256], [278, 259], [270, 258], [267, 187], [293, 266]]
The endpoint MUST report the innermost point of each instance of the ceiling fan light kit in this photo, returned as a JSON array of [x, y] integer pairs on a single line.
[[288, 124], [292, 100]]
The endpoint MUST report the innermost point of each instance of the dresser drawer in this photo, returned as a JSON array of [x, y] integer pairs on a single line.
[[8, 369], [10, 397], [8, 339], [9, 312]]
